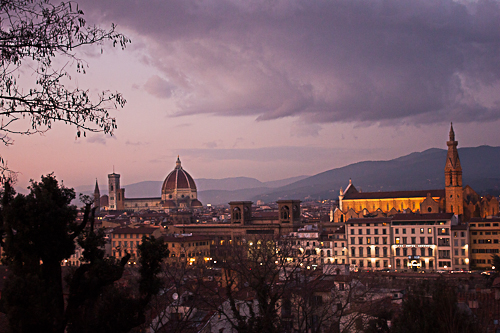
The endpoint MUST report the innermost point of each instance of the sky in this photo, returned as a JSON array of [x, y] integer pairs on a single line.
[[272, 89]]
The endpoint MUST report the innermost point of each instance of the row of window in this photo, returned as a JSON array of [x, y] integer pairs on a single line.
[[483, 225], [369, 240], [369, 252], [127, 236], [368, 231], [486, 233], [126, 243], [485, 241], [484, 250]]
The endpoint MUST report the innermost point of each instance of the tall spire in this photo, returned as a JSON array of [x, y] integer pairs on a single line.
[[453, 177], [97, 195]]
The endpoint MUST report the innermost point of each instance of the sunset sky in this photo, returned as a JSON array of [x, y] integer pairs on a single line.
[[275, 89]]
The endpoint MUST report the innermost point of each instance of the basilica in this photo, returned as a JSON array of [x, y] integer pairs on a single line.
[[177, 193], [454, 198]]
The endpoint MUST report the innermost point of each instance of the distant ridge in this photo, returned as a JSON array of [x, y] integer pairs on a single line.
[[415, 171]]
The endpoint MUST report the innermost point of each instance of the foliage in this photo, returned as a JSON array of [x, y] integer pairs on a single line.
[[38, 40], [39, 231], [434, 310]]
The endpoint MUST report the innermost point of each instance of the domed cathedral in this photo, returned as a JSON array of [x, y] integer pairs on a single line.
[[465, 203], [178, 193], [179, 189]]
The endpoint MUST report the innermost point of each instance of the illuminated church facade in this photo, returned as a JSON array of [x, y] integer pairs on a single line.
[[454, 198]]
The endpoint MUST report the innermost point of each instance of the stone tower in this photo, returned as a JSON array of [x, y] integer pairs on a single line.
[[97, 196], [453, 178], [116, 194]]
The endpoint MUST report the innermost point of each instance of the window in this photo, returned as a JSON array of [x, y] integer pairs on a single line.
[[367, 231], [384, 250], [397, 240], [421, 230], [404, 239], [463, 252], [397, 251], [376, 240], [396, 231], [413, 240], [384, 240], [360, 252], [422, 240], [384, 232], [352, 231], [429, 231], [377, 263], [368, 252], [412, 230], [430, 255], [352, 240], [404, 230], [353, 252], [377, 253], [422, 252], [398, 263], [353, 261], [405, 252], [376, 231], [369, 263], [429, 240], [360, 231], [360, 240]]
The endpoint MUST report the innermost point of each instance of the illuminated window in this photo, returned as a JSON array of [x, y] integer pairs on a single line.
[[397, 240]]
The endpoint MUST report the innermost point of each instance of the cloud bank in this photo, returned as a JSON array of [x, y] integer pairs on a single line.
[[385, 61]]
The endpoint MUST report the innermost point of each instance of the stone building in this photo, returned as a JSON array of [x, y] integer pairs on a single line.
[[178, 192], [455, 199]]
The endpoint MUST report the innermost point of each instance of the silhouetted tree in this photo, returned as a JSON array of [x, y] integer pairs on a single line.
[[434, 310], [39, 232]]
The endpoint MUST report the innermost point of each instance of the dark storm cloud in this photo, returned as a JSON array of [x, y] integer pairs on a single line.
[[406, 61]]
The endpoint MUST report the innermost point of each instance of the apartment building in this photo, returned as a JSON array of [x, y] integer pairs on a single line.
[[484, 241]]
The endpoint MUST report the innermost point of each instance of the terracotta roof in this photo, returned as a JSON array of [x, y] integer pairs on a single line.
[[196, 203], [420, 217], [369, 220], [394, 194], [177, 179]]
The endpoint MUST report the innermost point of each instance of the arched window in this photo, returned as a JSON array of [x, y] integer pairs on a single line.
[[236, 213], [285, 213]]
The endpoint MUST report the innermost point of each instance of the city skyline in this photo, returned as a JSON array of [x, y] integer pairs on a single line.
[[273, 90]]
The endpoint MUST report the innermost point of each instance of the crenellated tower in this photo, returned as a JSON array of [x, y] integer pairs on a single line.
[[453, 178]]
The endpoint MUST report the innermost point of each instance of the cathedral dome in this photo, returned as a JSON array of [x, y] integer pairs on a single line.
[[178, 179]]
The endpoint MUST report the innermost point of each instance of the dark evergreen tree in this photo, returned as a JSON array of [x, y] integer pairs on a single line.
[[39, 232]]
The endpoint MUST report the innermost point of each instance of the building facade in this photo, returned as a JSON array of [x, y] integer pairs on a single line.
[[463, 202]]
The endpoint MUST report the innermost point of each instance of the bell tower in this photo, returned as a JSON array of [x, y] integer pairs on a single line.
[[453, 178]]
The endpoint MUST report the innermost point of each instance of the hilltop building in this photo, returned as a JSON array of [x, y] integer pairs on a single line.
[[464, 202], [178, 193]]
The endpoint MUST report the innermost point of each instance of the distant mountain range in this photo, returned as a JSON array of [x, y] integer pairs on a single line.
[[416, 171]]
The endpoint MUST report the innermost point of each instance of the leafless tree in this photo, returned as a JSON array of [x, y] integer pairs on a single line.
[[33, 33]]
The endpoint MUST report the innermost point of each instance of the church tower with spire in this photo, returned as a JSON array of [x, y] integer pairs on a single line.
[[97, 196], [453, 178]]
